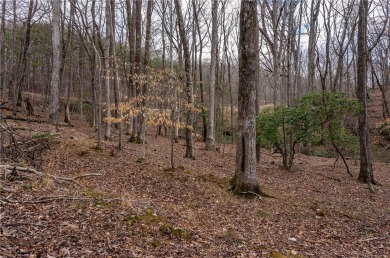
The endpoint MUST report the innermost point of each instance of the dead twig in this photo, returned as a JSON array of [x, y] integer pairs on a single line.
[[372, 239], [23, 224], [56, 198], [256, 194], [23, 119], [329, 177], [22, 169], [55, 178], [6, 190]]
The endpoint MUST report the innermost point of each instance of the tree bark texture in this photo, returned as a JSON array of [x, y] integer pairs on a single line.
[[210, 141], [55, 74], [190, 94], [314, 12], [366, 173], [108, 69], [2, 51], [245, 178]]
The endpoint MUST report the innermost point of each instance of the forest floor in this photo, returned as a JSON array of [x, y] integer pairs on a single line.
[[140, 208]]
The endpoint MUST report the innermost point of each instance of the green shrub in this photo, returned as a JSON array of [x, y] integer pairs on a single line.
[[317, 117]]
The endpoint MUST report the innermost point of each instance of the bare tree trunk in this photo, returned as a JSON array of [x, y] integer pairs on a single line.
[[12, 90], [55, 74], [163, 41], [107, 66], [96, 61], [190, 94], [137, 18], [70, 84], [386, 111], [131, 38], [113, 63], [142, 125], [114, 71], [201, 86], [275, 51], [2, 51], [366, 174], [17, 97], [210, 141], [313, 25], [245, 178]]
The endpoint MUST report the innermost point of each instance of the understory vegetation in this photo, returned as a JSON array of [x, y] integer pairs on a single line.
[[318, 119]]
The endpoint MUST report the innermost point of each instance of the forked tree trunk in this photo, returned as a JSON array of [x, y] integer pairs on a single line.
[[245, 178]]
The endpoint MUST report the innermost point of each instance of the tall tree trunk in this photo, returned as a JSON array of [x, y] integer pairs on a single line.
[[13, 86], [210, 141], [190, 94], [160, 91], [113, 62], [114, 72], [386, 111], [108, 68], [137, 15], [245, 178], [55, 74], [2, 51], [68, 89], [366, 174], [142, 125], [313, 25], [131, 38], [17, 98], [201, 87], [96, 61]]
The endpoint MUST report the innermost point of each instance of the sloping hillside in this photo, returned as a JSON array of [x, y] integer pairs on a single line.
[[110, 203]]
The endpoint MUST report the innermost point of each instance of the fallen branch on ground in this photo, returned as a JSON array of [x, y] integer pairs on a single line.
[[23, 119], [55, 178], [57, 198], [258, 195], [372, 239], [6, 190], [24, 224]]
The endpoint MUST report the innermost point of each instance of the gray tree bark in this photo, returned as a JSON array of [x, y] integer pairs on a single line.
[[313, 25], [366, 174], [108, 69], [245, 178], [55, 74], [137, 19], [2, 51], [190, 93], [210, 140]]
